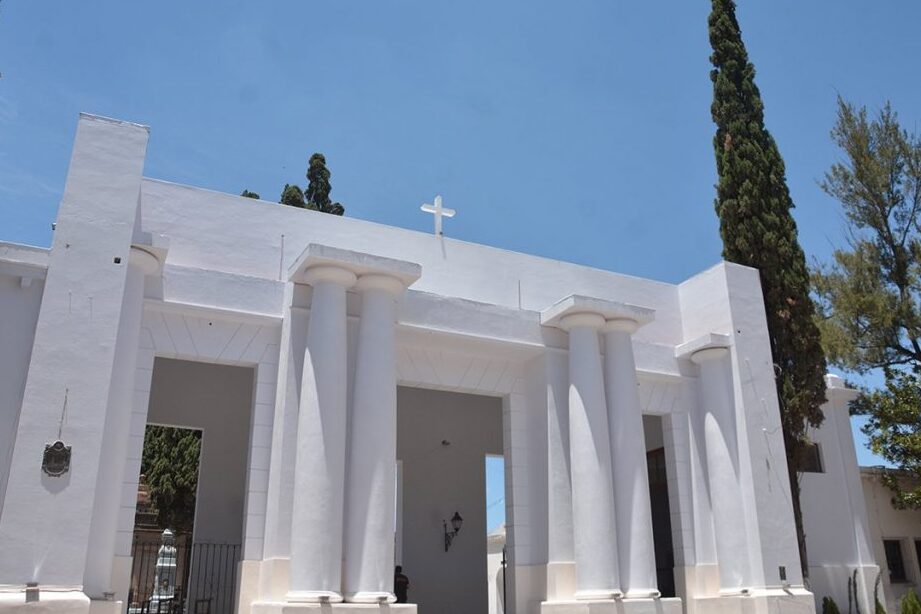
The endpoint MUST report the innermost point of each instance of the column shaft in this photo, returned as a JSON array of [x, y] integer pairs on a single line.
[[371, 485], [316, 531], [628, 448], [721, 440], [594, 535], [110, 479]]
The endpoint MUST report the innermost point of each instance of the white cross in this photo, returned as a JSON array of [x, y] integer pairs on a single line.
[[438, 211]]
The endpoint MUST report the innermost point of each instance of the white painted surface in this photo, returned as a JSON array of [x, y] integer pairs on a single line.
[[439, 480], [19, 305], [45, 527], [636, 549], [838, 533], [595, 537], [886, 523], [472, 323], [216, 399], [319, 477]]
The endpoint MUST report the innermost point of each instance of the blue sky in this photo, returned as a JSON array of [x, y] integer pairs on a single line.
[[578, 131]]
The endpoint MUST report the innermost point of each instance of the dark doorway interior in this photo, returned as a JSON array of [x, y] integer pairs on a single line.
[[661, 522]]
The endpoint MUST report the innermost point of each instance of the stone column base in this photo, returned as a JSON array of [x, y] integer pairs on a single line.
[[613, 606], [768, 601], [265, 607], [50, 602]]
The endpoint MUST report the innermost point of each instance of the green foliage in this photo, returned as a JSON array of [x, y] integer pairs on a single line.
[[248, 194], [293, 196], [910, 603], [170, 465], [871, 292], [319, 186], [829, 606], [878, 604], [870, 295], [758, 230]]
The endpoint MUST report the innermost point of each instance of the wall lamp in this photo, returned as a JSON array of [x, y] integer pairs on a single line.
[[456, 523]]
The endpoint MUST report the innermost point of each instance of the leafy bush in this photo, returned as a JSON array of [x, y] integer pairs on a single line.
[[910, 603]]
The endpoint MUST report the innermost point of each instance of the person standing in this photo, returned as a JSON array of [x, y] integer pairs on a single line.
[[400, 584]]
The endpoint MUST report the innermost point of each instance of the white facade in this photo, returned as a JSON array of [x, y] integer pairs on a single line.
[[331, 315]]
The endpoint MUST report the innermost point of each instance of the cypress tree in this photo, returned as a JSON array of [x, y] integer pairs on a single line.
[[757, 228], [319, 187]]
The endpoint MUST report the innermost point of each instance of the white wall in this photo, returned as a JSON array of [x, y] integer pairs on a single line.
[[439, 480], [886, 522], [834, 513], [218, 400], [19, 305]]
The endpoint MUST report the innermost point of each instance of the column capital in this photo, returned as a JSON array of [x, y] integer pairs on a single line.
[[708, 354], [328, 272], [625, 325], [704, 348], [608, 311], [585, 319], [359, 264], [379, 281]]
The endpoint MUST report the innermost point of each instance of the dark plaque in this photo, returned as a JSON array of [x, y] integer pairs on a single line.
[[56, 460]]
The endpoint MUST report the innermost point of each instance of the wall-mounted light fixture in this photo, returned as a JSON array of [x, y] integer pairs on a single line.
[[456, 523]]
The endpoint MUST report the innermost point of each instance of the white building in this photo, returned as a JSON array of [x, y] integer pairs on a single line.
[[853, 531], [341, 370]]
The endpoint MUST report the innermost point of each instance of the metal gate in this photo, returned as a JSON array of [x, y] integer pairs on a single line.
[[178, 576]]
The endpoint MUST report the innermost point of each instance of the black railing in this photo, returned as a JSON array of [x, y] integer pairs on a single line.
[[184, 578]]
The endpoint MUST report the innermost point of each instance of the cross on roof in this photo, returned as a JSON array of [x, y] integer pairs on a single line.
[[438, 211]]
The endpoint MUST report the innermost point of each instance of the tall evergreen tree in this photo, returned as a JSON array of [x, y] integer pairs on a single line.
[[319, 187], [758, 230]]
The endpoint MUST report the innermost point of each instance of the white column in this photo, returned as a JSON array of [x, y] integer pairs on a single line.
[[371, 484], [561, 575], [721, 441], [316, 531], [636, 551], [109, 481], [594, 535]]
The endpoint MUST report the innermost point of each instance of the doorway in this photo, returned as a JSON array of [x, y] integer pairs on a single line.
[[443, 441], [659, 502], [193, 485]]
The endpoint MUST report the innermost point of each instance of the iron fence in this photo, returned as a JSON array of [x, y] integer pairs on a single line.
[[183, 577]]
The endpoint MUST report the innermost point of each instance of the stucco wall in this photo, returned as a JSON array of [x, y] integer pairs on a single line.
[[834, 512], [19, 306], [218, 400], [439, 480], [256, 240], [886, 522]]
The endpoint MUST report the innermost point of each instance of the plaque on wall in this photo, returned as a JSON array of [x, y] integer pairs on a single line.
[[56, 460]]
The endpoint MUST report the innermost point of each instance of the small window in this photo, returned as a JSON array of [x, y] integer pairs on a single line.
[[894, 560], [811, 459]]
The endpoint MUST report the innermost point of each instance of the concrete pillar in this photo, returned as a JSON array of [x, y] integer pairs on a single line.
[[45, 521], [104, 524], [561, 575], [636, 550], [371, 485], [316, 531], [722, 455], [594, 534]]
